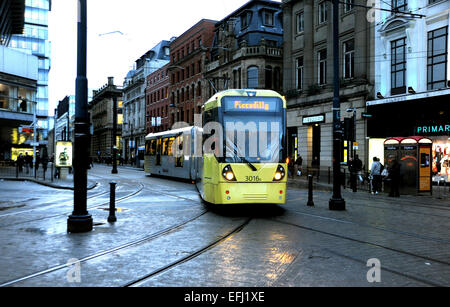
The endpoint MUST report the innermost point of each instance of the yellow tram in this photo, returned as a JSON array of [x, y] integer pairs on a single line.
[[237, 157]]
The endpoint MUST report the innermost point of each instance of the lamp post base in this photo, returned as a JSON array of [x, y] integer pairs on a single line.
[[79, 223], [337, 204]]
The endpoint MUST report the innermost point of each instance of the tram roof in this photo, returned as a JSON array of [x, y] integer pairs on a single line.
[[214, 101], [168, 133]]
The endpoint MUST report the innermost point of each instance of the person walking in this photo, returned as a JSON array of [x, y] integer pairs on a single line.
[[20, 161], [394, 175], [298, 166], [375, 171]]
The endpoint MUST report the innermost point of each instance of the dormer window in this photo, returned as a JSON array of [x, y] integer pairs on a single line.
[[245, 20], [268, 18]]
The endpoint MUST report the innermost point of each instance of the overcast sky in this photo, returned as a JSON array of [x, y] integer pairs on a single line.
[[140, 25]]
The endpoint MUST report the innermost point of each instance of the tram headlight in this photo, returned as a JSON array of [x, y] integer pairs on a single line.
[[228, 174], [279, 174]]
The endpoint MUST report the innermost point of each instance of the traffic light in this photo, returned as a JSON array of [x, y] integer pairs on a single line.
[[349, 129]]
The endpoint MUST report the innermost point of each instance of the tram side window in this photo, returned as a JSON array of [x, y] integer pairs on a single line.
[[164, 146], [150, 148], [179, 146], [158, 152]]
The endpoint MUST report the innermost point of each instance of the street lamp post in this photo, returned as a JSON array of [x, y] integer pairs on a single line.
[[336, 201], [81, 220]]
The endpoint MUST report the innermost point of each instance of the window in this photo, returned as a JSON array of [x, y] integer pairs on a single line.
[[299, 76], [323, 12], [399, 5], [268, 18], [269, 73], [437, 58], [349, 59], [398, 66], [322, 75], [348, 5], [300, 22], [245, 20], [252, 77]]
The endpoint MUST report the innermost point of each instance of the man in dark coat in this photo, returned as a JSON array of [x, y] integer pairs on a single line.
[[394, 175]]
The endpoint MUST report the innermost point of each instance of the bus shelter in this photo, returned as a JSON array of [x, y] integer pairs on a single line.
[[415, 157]]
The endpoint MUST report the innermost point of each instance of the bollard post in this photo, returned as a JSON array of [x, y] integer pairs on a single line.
[[17, 169], [112, 203], [310, 191]]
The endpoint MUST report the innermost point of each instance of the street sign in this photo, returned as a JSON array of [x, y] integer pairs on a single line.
[[366, 115], [33, 144]]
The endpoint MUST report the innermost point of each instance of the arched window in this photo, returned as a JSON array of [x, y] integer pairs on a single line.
[[252, 77]]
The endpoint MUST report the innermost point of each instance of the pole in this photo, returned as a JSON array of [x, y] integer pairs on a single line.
[[114, 137], [112, 202], [81, 220], [310, 191], [336, 201]]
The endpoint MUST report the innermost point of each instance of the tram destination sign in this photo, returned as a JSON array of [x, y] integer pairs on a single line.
[[253, 104]]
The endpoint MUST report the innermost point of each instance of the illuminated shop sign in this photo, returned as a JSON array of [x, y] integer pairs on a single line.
[[434, 129], [256, 104], [316, 119]]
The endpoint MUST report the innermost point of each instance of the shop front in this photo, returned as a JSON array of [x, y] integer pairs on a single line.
[[426, 116]]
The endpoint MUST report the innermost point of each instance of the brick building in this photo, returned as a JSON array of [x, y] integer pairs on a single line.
[[157, 101], [188, 56]]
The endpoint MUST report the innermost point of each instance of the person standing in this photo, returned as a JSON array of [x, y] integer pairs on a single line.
[[375, 171], [394, 175]]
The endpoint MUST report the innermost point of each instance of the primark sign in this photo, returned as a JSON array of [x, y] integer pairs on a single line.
[[433, 130]]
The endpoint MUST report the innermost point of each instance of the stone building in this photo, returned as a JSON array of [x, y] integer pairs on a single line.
[[308, 77], [101, 116], [134, 105], [247, 49]]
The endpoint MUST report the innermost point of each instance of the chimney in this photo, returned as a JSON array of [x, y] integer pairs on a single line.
[[110, 80]]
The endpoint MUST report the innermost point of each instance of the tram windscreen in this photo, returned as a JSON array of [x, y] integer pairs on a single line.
[[253, 129]]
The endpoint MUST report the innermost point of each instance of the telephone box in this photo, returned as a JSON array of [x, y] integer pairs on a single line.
[[414, 155]]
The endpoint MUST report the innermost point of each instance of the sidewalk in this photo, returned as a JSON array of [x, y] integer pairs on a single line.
[[439, 192], [63, 184]]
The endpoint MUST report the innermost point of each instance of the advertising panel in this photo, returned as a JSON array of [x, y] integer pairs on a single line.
[[63, 154]]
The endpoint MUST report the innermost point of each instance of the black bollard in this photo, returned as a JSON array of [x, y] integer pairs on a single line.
[[310, 191], [112, 203]]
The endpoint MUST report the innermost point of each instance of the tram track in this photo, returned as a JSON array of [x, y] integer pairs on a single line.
[[376, 245], [141, 280], [126, 245], [409, 234], [121, 199]]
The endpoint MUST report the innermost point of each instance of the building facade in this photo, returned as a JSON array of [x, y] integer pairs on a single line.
[[134, 99], [34, 40], [247, 49], [412, 78], [188, 55], [64, 120], [101, 110], [157, 101], [308, 78], [18, 90]]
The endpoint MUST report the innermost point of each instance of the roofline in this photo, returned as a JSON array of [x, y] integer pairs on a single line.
[[185, 32]]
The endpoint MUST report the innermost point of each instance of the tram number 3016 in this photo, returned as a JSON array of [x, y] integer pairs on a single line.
[[252, 179]]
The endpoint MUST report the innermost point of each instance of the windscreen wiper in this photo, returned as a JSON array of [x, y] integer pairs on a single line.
[[249, 164]]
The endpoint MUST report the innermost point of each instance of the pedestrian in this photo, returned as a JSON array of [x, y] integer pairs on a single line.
[[290, 167], [394, 175], [45, 164], [36, 165], [20, 161], [26, 162], [375, 171], [298, 166], [353, 173]]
